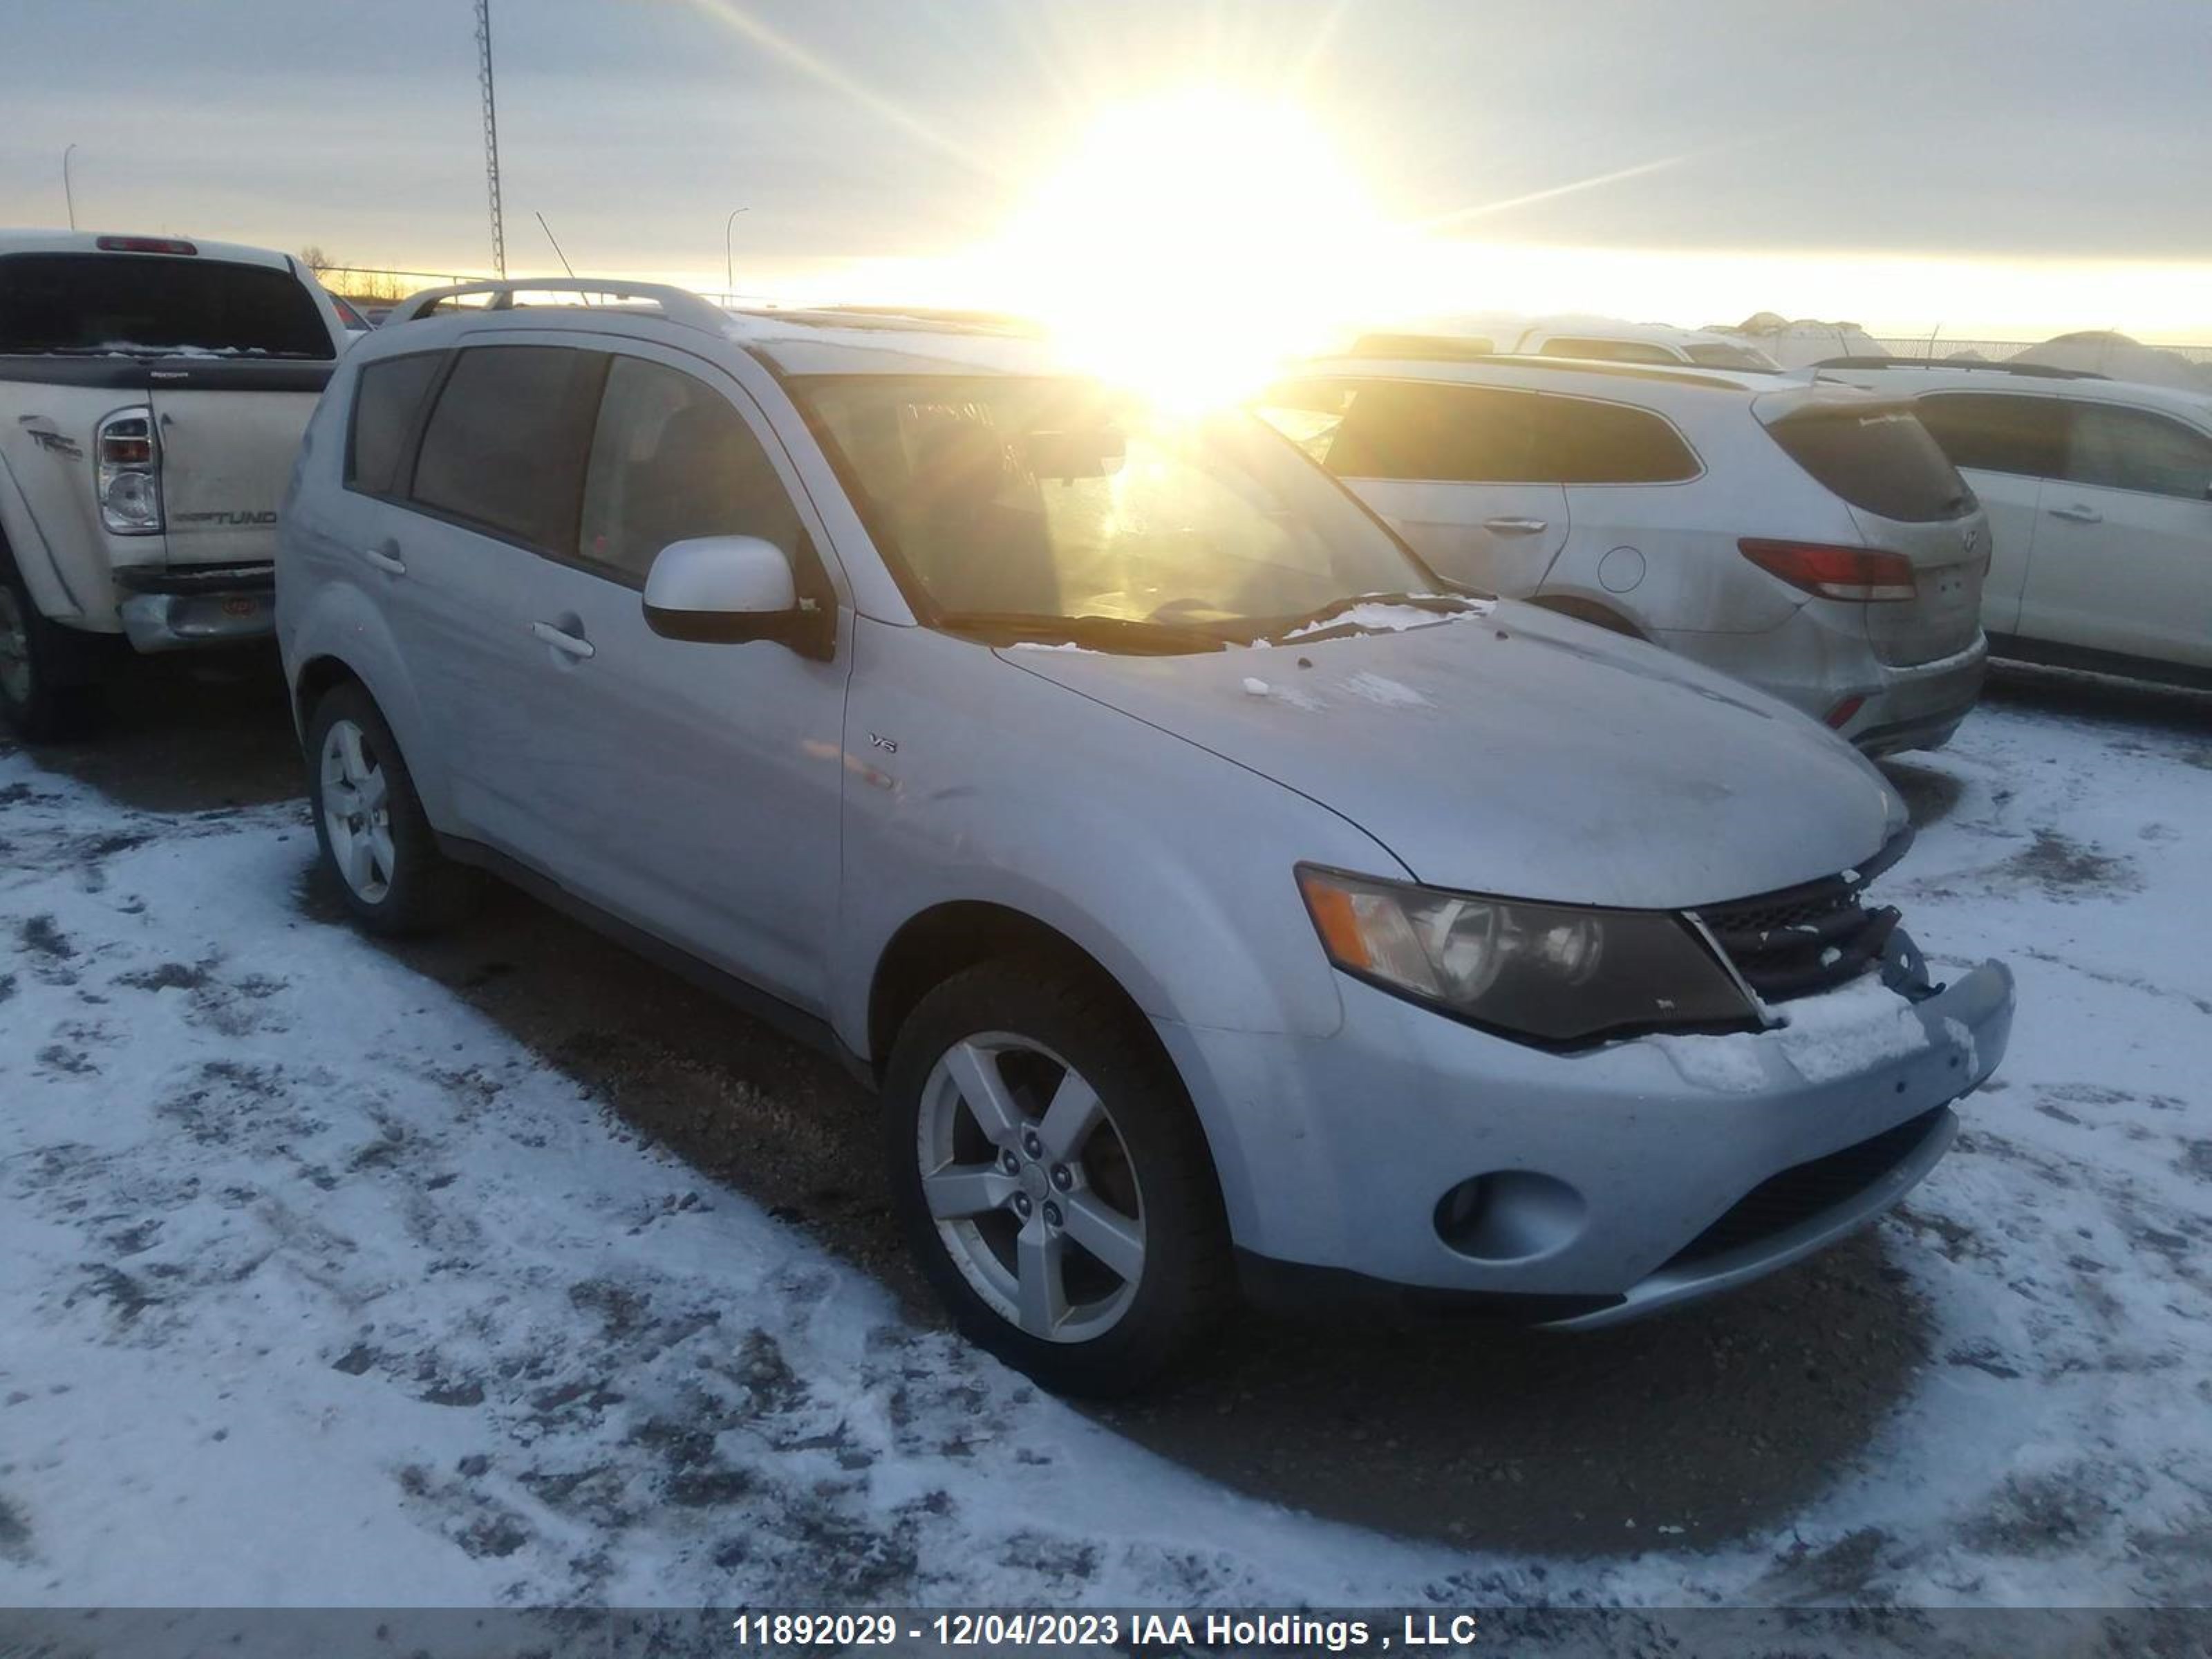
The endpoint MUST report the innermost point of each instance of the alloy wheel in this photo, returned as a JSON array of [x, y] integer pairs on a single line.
[[1031, 1187], [356, 811]]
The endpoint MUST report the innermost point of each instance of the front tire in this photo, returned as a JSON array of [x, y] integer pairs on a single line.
[[49, 674], [1052, 1178], [375, 840]]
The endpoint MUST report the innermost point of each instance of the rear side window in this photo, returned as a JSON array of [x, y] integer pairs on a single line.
[[1436, 434], [673, 459], [505, 447], [1997, 433], [2134, 449], [385, 406], [1881, 460], [1609, 351], [104, 302], [1581, 441]]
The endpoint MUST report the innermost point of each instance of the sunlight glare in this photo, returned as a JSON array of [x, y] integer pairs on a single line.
[[1193, 244]]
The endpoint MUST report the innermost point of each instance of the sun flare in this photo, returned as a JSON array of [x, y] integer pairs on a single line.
[[1192, 243]]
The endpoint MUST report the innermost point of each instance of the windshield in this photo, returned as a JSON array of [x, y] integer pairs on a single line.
[[1732, 357], [99, 303], [1011, 500]]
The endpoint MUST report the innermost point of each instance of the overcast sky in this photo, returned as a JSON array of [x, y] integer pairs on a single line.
[[859, 130]]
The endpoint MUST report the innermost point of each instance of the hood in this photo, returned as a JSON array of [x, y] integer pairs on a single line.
[[1522, 754]]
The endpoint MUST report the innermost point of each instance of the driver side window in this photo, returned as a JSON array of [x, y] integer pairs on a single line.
[[2134, 449], [673, 459]]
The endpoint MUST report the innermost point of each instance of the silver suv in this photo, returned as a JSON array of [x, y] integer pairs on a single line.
[[1213, 893], [1813, 542]]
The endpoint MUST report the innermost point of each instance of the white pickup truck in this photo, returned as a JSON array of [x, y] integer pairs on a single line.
[[153, 391]]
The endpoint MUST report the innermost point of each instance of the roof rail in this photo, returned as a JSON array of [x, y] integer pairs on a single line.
[[678, 304], [2038, 371], [1443, 348]]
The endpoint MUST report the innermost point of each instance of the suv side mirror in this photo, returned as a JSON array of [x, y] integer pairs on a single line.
[[726, 590]]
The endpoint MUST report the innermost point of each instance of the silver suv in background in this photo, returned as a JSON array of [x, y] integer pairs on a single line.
[[1812, 542], [153, 389], [2100, 498], [1212, 893]]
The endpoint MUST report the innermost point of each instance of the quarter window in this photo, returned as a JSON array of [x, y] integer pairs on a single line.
[[2134, 449], [386, 403], [1580, 441], [505, 447], [673, 459], [1997, 432]]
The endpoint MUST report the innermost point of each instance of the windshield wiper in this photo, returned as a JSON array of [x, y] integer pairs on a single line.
[[1441, 604], [1127, 634]]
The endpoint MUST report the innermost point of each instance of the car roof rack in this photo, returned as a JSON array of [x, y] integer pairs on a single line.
[[2037, 371], [678, 304]]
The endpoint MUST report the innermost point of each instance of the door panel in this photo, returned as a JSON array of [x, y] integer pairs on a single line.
[[2124, 542], [1500, 537], [2010, 500], [691, 789], [2123, 571], [1448, 466]]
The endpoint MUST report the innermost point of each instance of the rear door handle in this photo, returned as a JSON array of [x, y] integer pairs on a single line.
[[389, 563], [1514, 526], [569, 645], [2078, 513]]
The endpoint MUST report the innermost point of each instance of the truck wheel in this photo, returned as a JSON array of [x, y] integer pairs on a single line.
[[370, 825], [48, 674], [1052, 1178]]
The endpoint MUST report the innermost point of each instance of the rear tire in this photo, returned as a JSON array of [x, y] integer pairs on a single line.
[[1072, 1224], [49, 674], [376, 842]]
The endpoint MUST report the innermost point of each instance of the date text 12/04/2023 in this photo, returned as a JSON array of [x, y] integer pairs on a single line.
[[1422, 1632]]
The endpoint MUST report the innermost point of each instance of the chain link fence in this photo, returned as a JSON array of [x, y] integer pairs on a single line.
[[1997, 351]]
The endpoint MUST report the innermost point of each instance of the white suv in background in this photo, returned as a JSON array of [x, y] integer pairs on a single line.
[[1809, 540], [2100, 498], [1601, 341]]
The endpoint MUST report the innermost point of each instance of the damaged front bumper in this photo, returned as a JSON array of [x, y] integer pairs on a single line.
[[1622, 1180]]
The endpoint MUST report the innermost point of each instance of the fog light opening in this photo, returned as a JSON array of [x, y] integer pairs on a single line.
[[1509, 1215]]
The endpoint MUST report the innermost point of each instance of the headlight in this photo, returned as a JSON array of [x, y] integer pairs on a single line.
[[1548, 973]]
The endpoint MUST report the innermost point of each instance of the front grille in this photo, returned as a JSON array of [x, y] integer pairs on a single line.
[[1809, 938], [1804, 1190]]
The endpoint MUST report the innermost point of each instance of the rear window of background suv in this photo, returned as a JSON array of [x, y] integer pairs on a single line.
[[96, 302], [1882, 461]]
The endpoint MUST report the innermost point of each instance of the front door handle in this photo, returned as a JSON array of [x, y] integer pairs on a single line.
[[568, 644], [2079, 512], [391, 563], [1514, 526]]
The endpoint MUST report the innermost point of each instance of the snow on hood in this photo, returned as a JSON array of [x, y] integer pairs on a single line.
[[1525, 754]]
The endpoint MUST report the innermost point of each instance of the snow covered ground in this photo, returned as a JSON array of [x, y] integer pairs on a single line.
[[317, 1288]]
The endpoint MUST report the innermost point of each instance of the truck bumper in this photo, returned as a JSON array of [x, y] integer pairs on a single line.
[[171, 609]]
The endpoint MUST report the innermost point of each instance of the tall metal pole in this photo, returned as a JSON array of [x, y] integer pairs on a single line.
[[729, 282], [67, 194], [491, 136]]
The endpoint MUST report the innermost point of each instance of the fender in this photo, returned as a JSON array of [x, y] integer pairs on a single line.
[[346, 626], [33, 558], [1010, 791]]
